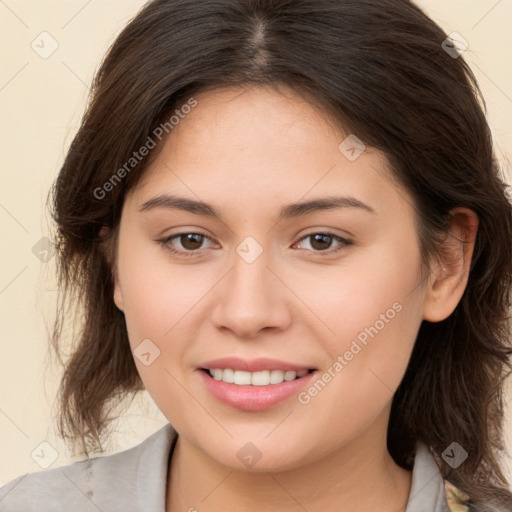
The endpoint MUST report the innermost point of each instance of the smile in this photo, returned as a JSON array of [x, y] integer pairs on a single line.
[[254, 384], [261, 378]]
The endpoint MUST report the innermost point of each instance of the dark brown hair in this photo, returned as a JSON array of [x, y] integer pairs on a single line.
[[379, 68]]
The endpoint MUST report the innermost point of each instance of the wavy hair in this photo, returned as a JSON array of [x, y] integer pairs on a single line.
[[379, 68]]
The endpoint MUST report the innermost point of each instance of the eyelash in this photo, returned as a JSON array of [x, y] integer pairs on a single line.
[[165, 241]]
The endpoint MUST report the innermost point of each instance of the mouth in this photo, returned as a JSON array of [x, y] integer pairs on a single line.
[[254, 385], [259, 378]]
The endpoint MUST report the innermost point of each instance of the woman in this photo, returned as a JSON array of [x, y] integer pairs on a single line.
[[285, 220]]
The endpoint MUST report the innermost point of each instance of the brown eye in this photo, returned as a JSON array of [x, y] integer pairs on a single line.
[[184, 244], [191, 241], [321, 242]]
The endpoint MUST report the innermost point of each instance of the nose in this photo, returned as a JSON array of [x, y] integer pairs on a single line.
[[252, 297]]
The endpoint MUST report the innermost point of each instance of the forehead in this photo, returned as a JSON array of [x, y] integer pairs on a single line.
[[278, 106], [251, 144], [236, 121]]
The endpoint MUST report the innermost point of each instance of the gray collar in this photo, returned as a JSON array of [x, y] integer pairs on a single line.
[[427, 488], [135, 480]]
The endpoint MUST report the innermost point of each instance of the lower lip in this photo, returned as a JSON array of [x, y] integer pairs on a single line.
[[254, 398]]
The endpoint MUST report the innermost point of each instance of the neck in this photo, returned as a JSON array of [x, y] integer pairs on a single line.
[[361, 476]]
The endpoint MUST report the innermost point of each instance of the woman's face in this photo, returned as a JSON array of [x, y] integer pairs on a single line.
[[267, 283]]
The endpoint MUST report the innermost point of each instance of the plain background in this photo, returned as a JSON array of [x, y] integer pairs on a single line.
[[41, 102]]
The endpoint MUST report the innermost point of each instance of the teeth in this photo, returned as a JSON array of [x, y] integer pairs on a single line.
[[276, 377], [227, 375], [240, 377], [260, 378], [289, 375], [263, 378]]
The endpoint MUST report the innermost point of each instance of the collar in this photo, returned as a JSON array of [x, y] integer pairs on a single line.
[[135, 480], [428, 493]]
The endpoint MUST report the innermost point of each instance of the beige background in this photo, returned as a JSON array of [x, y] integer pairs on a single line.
[[41, 102]]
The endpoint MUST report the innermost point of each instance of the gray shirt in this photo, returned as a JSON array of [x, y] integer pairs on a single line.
[[135, 480]]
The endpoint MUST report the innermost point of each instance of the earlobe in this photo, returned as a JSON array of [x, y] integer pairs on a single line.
[[107, 245], [118, 296], [450, 272]]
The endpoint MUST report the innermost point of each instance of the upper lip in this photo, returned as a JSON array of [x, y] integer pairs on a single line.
[[253, 365]]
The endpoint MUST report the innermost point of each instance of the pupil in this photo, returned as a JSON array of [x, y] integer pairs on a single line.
[[320, 237], [191, 240]]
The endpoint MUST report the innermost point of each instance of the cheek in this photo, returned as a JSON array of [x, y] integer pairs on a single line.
[[374, 311], [375, 329], [366, 290], [163, 303], [157, 298], [156, 294]]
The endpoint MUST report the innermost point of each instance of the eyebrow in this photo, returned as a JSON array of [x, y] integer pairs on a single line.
[[292, 210]]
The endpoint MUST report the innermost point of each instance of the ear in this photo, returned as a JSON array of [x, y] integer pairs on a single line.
[[118, 296], [107, 244], [450, 272]]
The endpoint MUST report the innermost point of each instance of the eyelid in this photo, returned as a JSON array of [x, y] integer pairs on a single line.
[[344, 241], [167, 239]]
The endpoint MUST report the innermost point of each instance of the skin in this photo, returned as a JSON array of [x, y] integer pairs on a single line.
[[248, 152]]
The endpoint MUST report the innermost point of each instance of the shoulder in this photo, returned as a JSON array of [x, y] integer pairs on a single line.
[[108, 483]]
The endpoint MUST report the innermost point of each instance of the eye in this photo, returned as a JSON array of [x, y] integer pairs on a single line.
[[322, 241], [190, 243]]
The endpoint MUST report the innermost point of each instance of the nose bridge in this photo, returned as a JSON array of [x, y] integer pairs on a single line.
[[249, 286], [251, 297], [249, 277]]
